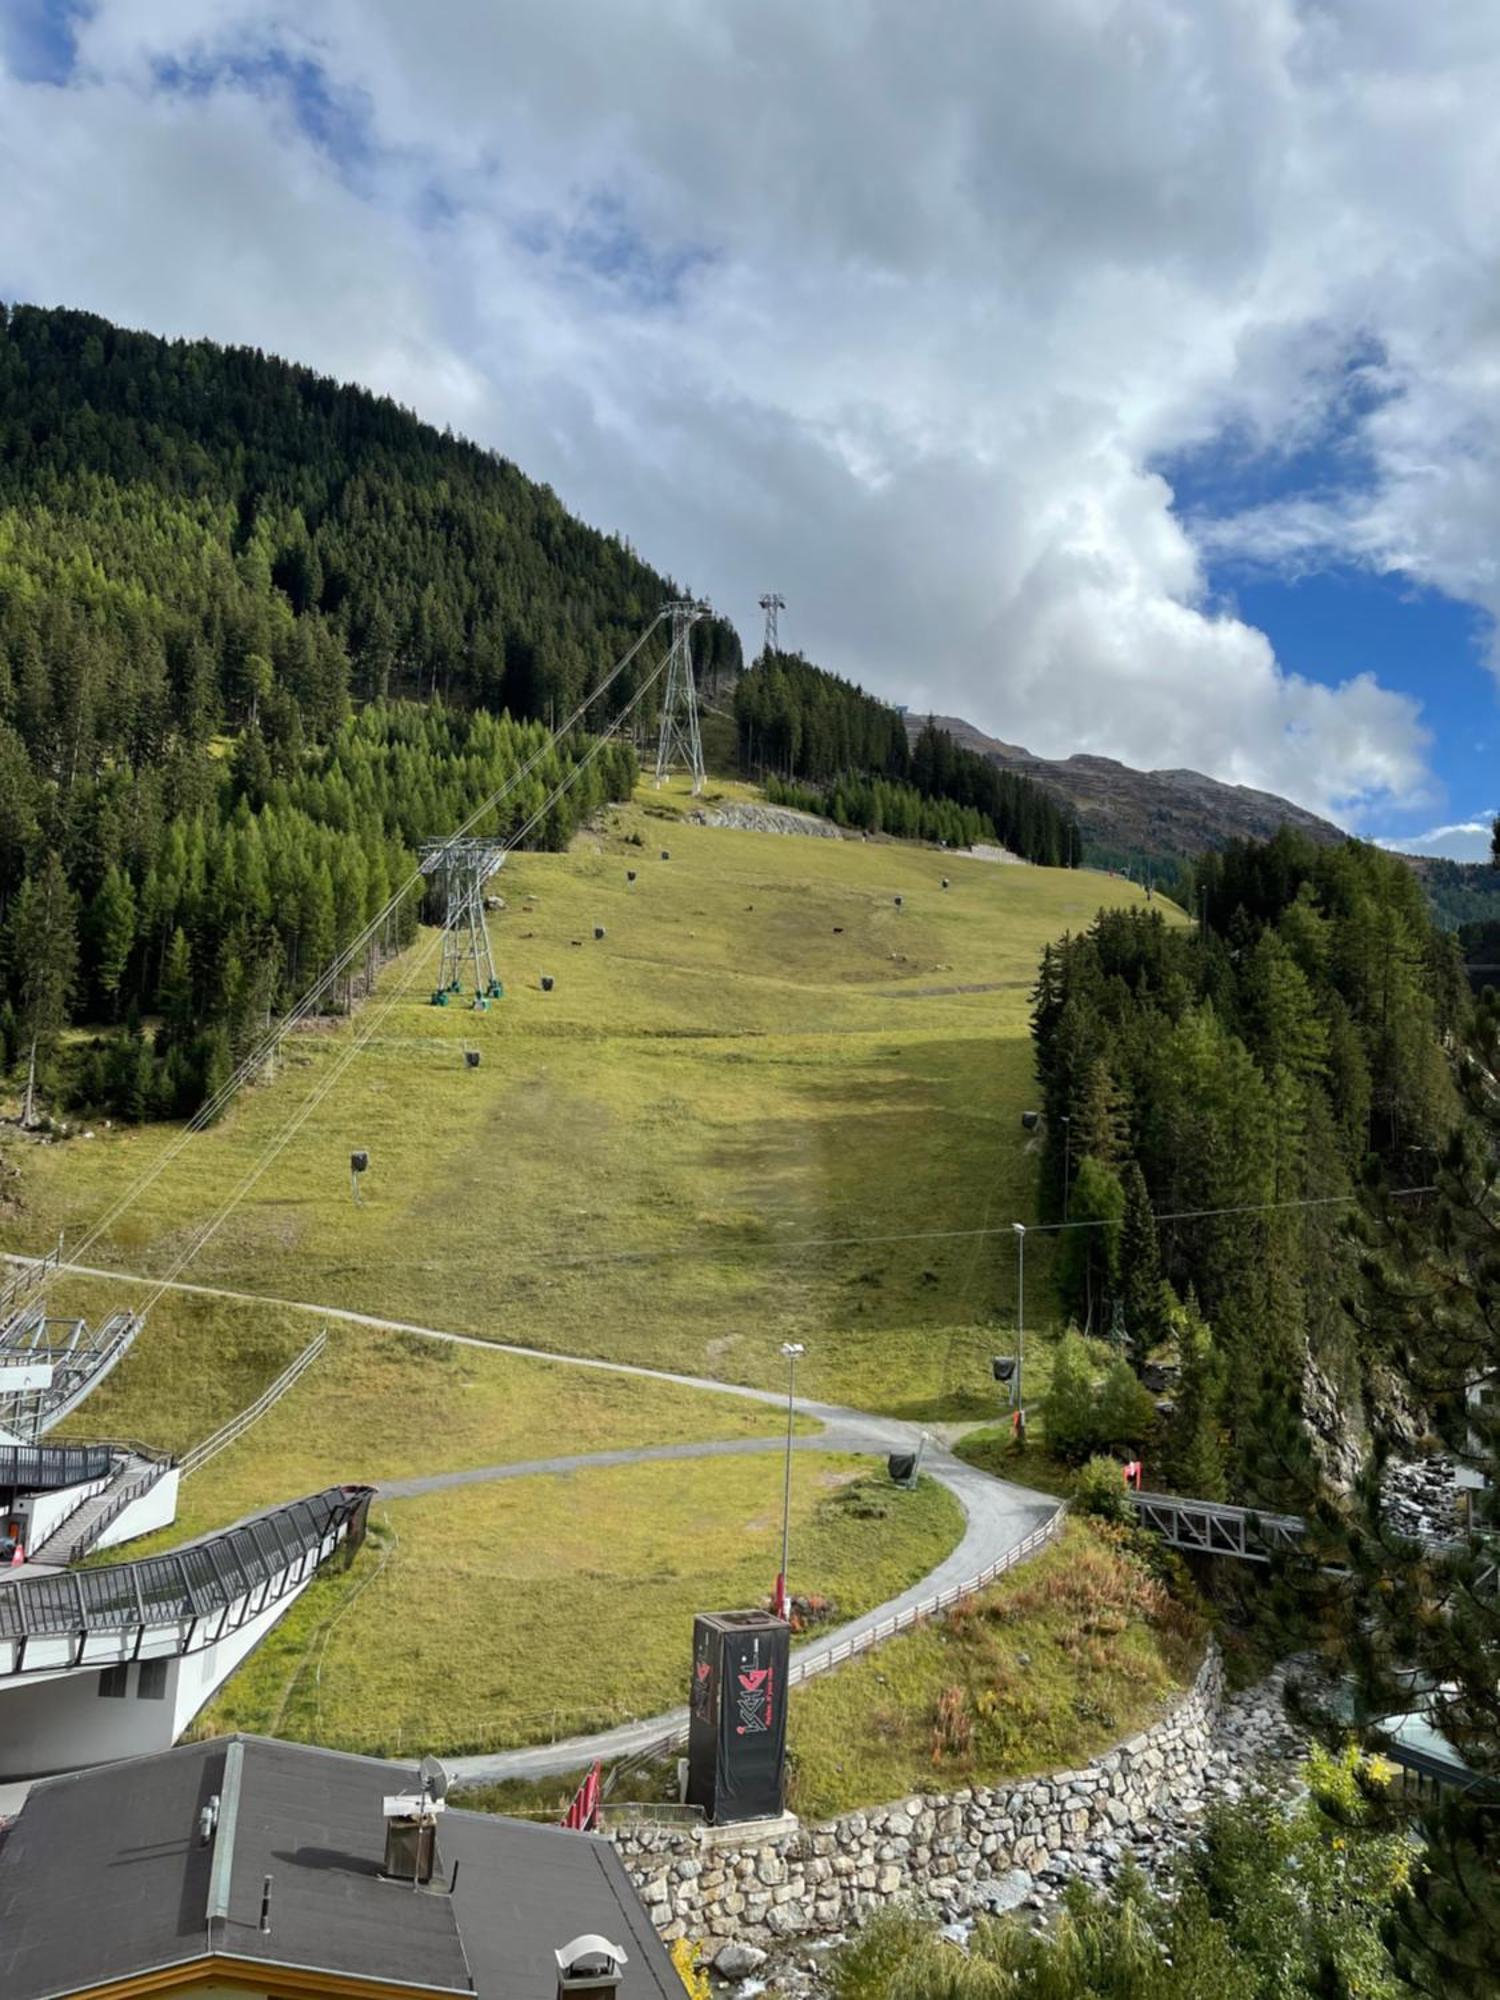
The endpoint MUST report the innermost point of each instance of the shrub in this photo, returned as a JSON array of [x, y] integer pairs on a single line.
[[1124, 1414], [1068, 1407], [1100, 1491]]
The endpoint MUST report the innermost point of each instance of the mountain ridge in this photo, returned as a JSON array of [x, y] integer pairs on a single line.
[[1128, 814]]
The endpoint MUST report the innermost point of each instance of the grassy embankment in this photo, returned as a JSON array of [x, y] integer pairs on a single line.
[[546, 1606], [1040, 1672], [730, 1124], [764, 1050]]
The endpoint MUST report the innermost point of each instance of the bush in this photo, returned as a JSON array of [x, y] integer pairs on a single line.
[[1124, 1414], [1100, 1490], [1068, 1407], [1081, 1420]]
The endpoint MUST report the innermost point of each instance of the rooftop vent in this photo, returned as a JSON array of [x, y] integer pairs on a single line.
[[589, 1965]]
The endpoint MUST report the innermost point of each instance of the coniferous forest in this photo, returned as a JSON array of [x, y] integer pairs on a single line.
[[257, 630], [821, 742], [1247, 1077]]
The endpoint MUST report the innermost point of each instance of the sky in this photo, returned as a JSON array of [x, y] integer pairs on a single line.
[[1122, 376]]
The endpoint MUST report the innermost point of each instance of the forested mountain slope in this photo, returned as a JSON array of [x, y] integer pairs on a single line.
[[1216, 1099], [207, 556], [819, 741], [209, 560]]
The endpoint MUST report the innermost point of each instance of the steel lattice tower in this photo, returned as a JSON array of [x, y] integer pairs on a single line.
[[679, 741], [462, 867], [771, 603]]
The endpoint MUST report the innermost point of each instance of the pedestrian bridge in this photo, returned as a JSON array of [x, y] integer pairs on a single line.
[[1210, 1528], [115, 1661]]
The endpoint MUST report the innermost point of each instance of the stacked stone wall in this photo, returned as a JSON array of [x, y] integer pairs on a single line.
[[956, 1850]]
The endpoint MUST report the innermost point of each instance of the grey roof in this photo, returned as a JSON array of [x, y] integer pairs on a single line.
[[103, 1875]]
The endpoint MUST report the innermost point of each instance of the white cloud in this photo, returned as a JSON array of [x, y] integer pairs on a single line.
[[892, 308], [1468, 840]]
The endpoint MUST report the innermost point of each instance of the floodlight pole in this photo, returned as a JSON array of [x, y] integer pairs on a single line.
[[791, 1349], [1020, 1229]]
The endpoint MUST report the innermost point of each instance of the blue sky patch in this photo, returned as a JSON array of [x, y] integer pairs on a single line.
[[37, 38]]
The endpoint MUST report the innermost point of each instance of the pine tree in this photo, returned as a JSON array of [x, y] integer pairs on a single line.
[[111, 922], [1140, 1276], [42, 953], [1194, 1443]]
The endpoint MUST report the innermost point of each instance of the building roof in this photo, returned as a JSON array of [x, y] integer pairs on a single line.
[[104, 1876]]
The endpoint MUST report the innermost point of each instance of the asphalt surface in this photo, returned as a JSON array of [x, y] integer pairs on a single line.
[[997, 1514]]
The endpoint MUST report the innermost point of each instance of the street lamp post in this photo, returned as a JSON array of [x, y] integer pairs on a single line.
[[1067, 1125], [791, 1349], [1020, 1229]]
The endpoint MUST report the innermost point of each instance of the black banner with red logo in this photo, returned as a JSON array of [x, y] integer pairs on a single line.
[[737, 1715]]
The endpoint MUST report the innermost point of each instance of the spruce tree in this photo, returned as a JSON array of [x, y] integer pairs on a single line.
[[1429, 1616], [1194, 1442], [1140, 1279], [111, 922], [42, 954]]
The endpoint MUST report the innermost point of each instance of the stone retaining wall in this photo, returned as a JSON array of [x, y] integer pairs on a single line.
[[954, 1850]]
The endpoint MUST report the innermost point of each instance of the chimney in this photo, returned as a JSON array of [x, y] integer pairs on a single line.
[[411, 1837], [590, 1967]]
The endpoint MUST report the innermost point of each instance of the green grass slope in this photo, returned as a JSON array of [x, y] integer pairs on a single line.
[[770, 1103], [542, 1607], [737, 1118]]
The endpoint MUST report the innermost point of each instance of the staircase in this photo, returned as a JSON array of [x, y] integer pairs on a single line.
[[135, 1473]]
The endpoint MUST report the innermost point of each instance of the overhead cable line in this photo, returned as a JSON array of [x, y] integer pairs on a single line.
[[372, 1021], [940, 1235], [340, 963]]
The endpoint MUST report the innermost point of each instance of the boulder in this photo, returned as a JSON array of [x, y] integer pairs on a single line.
[[737, 1961]]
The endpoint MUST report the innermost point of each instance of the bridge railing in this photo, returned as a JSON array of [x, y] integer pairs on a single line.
[[1212, 1527], [41, 1468], [186, 1586], [808, 1665]]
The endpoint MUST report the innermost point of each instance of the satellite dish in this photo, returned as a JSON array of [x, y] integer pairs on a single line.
[[434, 1778]]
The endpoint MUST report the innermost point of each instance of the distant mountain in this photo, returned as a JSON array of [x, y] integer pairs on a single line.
[[1464, 894], [1131, 815]]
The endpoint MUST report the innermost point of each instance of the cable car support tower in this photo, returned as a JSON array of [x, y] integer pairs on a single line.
[[680, 741], [461, 868]]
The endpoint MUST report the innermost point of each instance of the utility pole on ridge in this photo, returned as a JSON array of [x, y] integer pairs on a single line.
[[771, 603]]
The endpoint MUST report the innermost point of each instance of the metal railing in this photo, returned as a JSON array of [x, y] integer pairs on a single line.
[[808, 1665], [200, 1588], [78, 1355], [42, 1468], [54, 1550], [930, 1607], [230, 1433], [34, 1272]]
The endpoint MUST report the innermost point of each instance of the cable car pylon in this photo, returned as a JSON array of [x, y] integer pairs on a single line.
[[461, 867], [679, 741]]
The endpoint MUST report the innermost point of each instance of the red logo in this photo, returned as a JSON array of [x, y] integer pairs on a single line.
[[756, 1706]]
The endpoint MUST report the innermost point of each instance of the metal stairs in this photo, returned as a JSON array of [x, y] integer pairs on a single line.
[[134, 1473]]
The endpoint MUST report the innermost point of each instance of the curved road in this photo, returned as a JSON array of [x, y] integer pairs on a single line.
[[997, 1514]]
